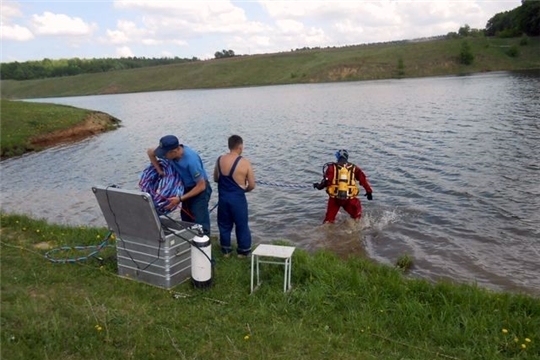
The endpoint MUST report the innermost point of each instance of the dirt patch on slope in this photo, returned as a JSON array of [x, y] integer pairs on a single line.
[[93, 124], [342, 73]]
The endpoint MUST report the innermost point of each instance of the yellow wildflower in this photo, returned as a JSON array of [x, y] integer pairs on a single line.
[[523, 346], [527, 340], [505, 331]]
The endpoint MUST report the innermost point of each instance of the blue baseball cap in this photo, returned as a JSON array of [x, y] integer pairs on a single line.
[[166, 144]]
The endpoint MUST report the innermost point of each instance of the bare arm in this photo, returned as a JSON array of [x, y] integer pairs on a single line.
[[199, 188], [250, 177], [154, 161], [216, 171]]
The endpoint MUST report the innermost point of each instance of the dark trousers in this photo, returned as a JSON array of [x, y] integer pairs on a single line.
[[233, 211], [196, 210]]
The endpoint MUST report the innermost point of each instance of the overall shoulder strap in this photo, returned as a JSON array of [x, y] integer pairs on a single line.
[[236, 161]]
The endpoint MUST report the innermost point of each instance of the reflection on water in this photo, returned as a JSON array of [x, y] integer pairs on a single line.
[[453, 162]]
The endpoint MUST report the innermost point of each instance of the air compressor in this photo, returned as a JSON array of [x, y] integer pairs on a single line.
[[201, 262]]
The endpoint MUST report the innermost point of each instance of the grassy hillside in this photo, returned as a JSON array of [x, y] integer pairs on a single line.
[[362, 62]]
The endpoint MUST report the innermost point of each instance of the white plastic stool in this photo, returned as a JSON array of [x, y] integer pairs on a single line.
[[284, 253]]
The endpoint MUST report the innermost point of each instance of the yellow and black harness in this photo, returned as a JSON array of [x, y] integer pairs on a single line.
[[343, 184]]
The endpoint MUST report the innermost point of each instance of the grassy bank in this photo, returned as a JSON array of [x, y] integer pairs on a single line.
[[337, 309], [29, 127], [363, 62]]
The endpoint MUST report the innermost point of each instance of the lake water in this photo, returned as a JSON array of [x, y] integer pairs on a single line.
[[454, 163]]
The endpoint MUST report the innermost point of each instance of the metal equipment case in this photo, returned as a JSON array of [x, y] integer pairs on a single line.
[[149, 248]]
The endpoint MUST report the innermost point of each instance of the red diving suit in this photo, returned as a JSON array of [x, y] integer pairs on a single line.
[[340, 180]]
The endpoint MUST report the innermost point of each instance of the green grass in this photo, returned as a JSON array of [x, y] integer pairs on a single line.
[[361, 62], [404, 263], [23, 121], [337, 309]]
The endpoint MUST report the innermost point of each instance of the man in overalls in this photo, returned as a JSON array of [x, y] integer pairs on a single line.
[[235, 177]]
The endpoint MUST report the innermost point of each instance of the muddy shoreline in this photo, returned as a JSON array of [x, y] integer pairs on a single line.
[[93, 124]]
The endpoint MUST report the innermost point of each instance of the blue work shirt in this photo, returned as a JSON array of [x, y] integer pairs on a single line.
[[190, 167]]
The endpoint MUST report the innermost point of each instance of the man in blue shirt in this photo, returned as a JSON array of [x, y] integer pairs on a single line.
[[197, 190]]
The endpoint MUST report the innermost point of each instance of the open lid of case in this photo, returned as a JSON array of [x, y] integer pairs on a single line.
[[129, 213]]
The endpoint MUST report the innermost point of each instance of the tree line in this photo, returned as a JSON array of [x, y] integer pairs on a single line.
[[524, 19], [224, 54], [47, 68]]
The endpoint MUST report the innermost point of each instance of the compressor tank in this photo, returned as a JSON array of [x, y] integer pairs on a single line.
[[201, 262]]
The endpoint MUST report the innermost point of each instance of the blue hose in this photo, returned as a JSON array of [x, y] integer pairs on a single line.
[[95, 249]]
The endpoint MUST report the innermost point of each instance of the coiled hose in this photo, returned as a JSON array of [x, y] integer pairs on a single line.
[[161, 188]]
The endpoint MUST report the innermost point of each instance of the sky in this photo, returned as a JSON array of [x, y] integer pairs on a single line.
[[64, 29]]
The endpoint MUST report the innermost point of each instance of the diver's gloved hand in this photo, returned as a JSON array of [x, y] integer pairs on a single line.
[[369, 196], [318, 186]]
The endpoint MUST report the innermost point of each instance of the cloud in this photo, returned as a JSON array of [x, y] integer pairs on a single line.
[[338, 23], [8, 11], [184, 23], [126, 32], [116, 37], [59, 24], [15, 33], [172, 24], [222, 11], [290, 26], [124, 51], [191, 19], [290, 9], [185, 14], [8, 30], [356, 22]]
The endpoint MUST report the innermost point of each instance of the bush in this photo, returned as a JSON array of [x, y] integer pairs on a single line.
[[509, 33], [466, 57], [513, 51], [400, 67]]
